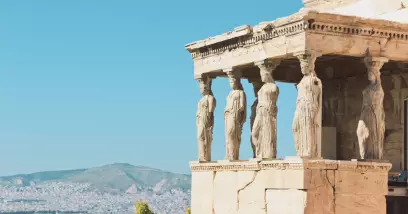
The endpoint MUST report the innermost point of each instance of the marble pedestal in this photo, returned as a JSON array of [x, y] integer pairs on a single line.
[[289, 186]]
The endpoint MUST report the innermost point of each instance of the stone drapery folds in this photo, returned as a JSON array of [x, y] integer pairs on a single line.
[[307, 120], [264, 130], [371, 126], [205, 119], [234, 115]]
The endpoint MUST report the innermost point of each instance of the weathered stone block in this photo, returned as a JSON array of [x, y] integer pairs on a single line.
[[225, 192], [360, 204], [202, 192], [320, 194], [371, 183], [286, 201]]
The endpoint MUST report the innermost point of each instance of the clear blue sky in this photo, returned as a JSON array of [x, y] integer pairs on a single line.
[[88, 83]]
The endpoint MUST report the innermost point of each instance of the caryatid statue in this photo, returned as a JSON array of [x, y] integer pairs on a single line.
[[371, 126], [205, 119], [257, 84], [264, 135], [234, 115], [308, 114]]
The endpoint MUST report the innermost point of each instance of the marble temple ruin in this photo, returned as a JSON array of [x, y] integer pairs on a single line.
[[349, 62]]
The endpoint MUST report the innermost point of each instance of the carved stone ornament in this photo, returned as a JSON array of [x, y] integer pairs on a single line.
[[234, 115], [307, 120], [264, 132], [371, 126], [353, 166], [205, 119]]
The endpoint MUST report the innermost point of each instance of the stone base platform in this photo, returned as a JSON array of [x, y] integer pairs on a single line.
[[289, 186]]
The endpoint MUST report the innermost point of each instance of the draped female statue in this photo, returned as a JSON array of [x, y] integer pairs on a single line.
[[307, 120], [234, 116], [205, 119], [257, 86], [264, 134], [371, 126]]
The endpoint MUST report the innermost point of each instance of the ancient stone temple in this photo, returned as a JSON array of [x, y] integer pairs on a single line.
[[348, 60]]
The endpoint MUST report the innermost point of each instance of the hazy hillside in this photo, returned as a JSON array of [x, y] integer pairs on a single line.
[[113, 187], [116, 176]]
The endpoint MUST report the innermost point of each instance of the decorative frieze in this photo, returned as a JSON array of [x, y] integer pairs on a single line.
[[284, 30], [298, 26], [360, 31], [297, 164]]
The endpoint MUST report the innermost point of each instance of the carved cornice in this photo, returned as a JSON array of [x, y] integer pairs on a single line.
[[311, 22], [285, 30], [352, 30], [363, 167], [356, 166]]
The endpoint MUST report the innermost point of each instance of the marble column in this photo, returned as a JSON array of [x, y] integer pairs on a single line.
[[307, 122], [264, 130], [205, 119], [257, 84], [371, 126], [234, 115]]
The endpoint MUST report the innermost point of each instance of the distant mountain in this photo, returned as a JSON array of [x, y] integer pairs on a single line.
[[111, 188], [120, 176]]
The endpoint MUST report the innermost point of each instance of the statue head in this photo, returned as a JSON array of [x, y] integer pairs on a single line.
[[234, 79], [235, 83], [307, 62], [266, 76], [306, 67], [205, 85], [266, 69]]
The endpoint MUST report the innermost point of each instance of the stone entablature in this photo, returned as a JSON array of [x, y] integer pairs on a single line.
[[290, 164], [337, 34]]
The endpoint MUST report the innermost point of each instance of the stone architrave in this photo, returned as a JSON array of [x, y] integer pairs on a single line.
[[257, 84], [264, 135], [234, 115], [205, 119], [307, 122], [371, 126]]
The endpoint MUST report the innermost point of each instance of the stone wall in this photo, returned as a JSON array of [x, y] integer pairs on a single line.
[[342, 100], [290, 186]]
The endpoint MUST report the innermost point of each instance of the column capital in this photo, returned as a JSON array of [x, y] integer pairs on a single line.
[[376, 59], [375, 63], [268, 65], [307, 60], [227, 70], [308, 53], [204, 77], [232, 72]]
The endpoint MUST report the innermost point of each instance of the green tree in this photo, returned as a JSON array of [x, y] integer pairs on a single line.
[[188, 211], [142, 208]]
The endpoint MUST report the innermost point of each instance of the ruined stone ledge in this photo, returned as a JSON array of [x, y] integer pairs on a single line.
[[291, 164]]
